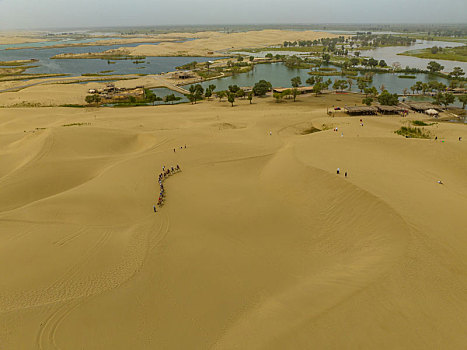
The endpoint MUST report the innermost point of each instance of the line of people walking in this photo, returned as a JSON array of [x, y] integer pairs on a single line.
[[166, 172]]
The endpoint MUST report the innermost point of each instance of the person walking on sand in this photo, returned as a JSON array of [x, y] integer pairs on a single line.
[[174, 150], [338, 171], [155, 210], [346, 174]]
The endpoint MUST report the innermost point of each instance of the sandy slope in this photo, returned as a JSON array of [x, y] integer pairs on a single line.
[[260, 244], [212, 43]]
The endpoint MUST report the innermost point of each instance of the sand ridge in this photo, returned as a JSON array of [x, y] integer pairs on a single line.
[[217, 43], [259, 244]]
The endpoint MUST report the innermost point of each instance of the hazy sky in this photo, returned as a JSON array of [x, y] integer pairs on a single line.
[[30, 14]]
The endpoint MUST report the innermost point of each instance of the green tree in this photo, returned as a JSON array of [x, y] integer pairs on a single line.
[[234, 88], [296, 82], [457, 72], [269, 55], [448, 99], [231, 98], [220, 95], [382, 63], [388, 99], [444, 98], [198, 92], [250, 96], [240, 93], [252, 58], [278, 96], [361, 84], [317, 88], [93, 99], [462, 99], [212, 87], [171, 98], [310, 80], [372, 62], [367, 101], [208, 93], [262, 87], [240, 59], [326, 57], [191, 98], [354, 61], [295, 93], [434, 67]]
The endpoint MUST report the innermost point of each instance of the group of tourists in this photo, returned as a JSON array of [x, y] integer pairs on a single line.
[[339, 171], [166, 172]]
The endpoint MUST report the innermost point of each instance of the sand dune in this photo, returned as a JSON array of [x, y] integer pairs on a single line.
[[214, 43], [260, 245]]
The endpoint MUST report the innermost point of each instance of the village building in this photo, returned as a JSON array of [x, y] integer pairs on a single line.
[[361, 110], [182, 75]]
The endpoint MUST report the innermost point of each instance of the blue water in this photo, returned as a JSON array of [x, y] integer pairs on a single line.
[[76, 67], [279, 76]]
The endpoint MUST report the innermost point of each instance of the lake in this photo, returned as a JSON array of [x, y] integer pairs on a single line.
[[279, 75], [76, 67]]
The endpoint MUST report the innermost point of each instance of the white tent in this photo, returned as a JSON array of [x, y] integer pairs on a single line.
[[431, 112]]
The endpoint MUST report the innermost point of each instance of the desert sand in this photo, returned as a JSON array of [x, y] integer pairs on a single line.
[[260, 244], [217, 43]]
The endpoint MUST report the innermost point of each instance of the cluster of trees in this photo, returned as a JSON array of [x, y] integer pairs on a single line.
[[388, 99], [456, 73], [434, 67], [371, 62], [431, 86], [296, 62], [382, 40], [271, 56], [444, 98], [191, 65], [340, 84]]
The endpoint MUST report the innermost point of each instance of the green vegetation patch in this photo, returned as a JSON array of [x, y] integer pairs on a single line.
[[421, 123], [325, 74], [448, 53], [409, 132], [76, 124]]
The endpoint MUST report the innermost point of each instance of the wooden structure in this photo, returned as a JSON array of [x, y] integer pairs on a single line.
[[421, 107], [182, 75], [390, 109], [361, 110]]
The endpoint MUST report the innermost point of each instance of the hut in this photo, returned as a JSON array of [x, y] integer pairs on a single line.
[[390, 109], [421, 107], [182, 75], [361, 110]]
